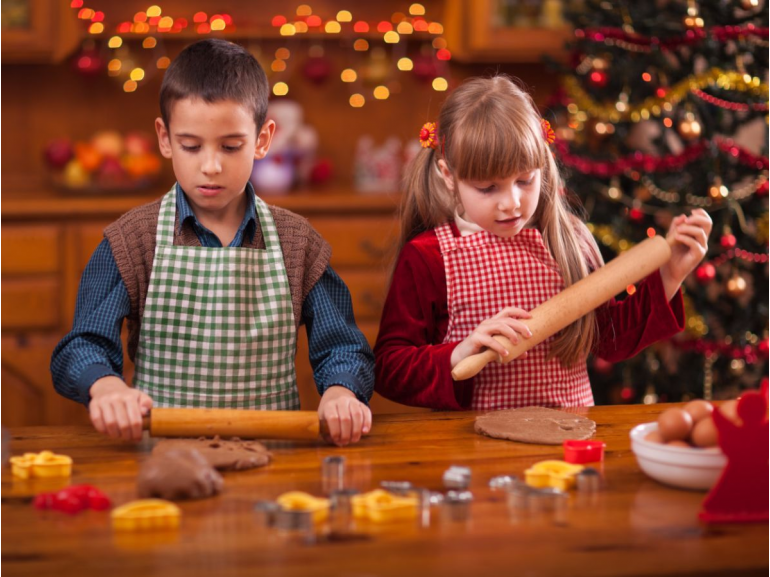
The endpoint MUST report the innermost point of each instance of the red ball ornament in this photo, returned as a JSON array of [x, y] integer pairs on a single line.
[[728, 241], [635, 214], [602, 367], [762, 348], [705, 273], [88, 62], [598, 78]]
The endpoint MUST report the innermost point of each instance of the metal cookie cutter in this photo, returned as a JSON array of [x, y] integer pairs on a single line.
[[266, 511], [294, 520], [428, 499], [457, 505], [401, 488], [503, 482], [333, 473], [146, 515], [589, 480], [457, 477]]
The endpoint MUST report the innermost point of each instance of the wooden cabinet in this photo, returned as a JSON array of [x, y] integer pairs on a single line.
[[47, 240], [504, 31], [38, 31]]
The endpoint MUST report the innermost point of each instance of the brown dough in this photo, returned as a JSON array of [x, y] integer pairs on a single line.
[[180, 473], [231, 455], [536, 425]]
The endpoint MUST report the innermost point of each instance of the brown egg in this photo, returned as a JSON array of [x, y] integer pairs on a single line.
[[699, 409], [730, 410], [654, 437], [684, 444], [704, 433], [674, 424]]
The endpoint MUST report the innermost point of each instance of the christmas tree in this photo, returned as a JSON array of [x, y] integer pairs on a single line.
[[663, 108]]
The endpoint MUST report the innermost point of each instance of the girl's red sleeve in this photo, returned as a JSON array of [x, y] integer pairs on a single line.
[[626, 327], [412, 366]]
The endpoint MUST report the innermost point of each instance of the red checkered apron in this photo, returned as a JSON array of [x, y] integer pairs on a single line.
[[485, 274]]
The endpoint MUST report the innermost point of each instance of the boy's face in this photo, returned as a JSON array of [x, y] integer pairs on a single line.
[[212, 147]]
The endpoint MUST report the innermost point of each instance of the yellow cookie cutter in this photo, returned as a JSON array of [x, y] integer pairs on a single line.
[[43, 464], [146, 514], [556, 474], [300, 501], [381, 506]]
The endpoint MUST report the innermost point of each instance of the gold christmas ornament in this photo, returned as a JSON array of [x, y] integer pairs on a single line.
[[718, 191], [690, 128], [736, 285]]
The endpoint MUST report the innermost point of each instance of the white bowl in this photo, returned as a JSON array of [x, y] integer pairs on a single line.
[[683, 467]]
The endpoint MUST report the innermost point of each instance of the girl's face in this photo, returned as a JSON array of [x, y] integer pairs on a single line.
[[503, 206]]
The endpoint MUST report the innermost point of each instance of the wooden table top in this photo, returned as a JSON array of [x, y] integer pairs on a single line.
[[635, 526]]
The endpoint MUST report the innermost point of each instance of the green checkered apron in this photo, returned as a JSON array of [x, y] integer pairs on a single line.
[[218, 326]]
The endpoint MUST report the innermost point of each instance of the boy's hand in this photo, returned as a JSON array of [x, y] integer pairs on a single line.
[[116, 409], [691, 234], [504, 323], [346, 417]]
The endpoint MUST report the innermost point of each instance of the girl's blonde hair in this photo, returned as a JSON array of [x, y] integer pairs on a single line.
[[490, 129]]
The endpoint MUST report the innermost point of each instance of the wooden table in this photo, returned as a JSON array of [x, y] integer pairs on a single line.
[[634, 527]]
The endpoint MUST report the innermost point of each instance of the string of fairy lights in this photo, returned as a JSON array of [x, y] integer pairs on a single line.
[[366, 38]]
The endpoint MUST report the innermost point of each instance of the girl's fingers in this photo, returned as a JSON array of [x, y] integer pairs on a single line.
[[520, 328], [491, 343], [690, 242], [694, 231], [515, 312]]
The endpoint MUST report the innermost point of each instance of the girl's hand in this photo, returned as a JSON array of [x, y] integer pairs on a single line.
[[346, 418], [504, 323], [691, 234], [116, 409]]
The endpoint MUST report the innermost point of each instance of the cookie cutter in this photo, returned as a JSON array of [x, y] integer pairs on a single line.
[[342, 509], [554, 474], [402, 488], [457, 505], [382, 506], [503, 482], [43, 464], [457, 477], [266, 511], [146, 515], [304, 502], [589, 480], [580, 451], [428, 499], [333, 473], [294, 520]]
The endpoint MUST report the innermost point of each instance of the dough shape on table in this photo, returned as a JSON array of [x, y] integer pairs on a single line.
[[536, 425], [226, 455], [181, 473]]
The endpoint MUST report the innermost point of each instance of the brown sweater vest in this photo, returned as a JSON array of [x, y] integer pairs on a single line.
[[132, 240]]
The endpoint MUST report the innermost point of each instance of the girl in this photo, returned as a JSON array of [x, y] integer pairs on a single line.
[[487, 235]]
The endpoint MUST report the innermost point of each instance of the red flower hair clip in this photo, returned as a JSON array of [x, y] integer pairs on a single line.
[[428, 135], [548, 133]]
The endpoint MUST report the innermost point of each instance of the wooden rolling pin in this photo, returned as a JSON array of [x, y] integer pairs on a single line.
[[574, 302], [247, 424]]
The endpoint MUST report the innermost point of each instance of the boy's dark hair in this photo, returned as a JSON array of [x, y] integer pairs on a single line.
[[215, 70]]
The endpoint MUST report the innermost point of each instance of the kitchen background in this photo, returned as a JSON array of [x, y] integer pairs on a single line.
[[657, 106]]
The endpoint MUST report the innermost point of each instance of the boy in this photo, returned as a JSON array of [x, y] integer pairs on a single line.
[[213, 283]]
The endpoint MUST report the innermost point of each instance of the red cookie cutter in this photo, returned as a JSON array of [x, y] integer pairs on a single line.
[[579, 452], [73, 499]]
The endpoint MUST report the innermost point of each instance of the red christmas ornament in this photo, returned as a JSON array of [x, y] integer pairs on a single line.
[[598, 78], [635, 214], [705, 273], [602, 367], [762, 348], [728, 241], [88, 62]]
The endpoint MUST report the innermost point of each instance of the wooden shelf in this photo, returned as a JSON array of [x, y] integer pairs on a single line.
[[41, 203]]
